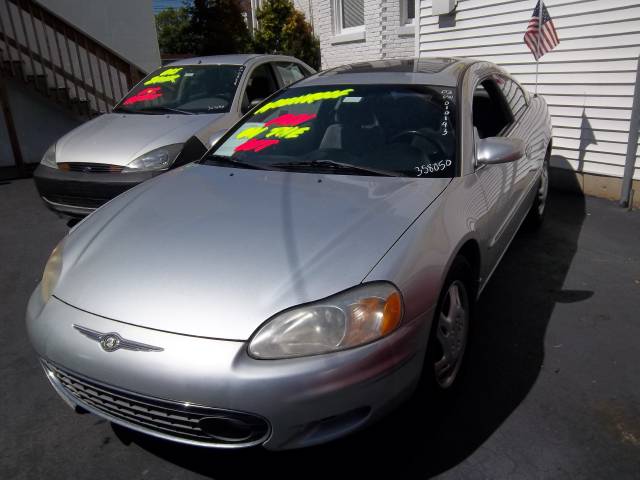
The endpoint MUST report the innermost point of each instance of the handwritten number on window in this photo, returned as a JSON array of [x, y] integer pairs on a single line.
[[432, 167]]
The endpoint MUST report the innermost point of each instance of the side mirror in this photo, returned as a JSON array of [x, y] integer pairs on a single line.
[[252, 104], [493, 150], [192, 150]]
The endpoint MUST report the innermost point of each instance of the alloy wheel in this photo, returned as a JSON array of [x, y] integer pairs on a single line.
[[452, 333], [543, 190]]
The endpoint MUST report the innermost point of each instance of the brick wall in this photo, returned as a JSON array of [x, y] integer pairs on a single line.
[[397, 42], [383, 37]]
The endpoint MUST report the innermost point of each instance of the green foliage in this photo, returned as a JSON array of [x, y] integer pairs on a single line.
[[203, 27], [172, 25], [217, 27], [283, 29], [212, 27]]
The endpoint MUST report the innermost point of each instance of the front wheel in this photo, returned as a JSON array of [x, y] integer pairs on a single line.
[[539, 207], [450, 329]]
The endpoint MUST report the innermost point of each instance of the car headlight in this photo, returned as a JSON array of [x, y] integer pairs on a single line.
[[51, 273], [49, 157], [158, 159], [345, 320]]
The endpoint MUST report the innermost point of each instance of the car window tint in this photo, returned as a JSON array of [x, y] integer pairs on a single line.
[[408, 130], [289, 72], [491, 114], [261, 84]]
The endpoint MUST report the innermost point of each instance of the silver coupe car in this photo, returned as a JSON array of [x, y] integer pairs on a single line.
[[303, 277]]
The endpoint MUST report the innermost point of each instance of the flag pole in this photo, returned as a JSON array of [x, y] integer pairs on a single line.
[[536, 92], [538, 42]]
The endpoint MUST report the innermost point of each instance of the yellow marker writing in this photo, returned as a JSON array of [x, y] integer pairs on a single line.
[[169, 75], [305, 99], [251, 132], [287, 132]]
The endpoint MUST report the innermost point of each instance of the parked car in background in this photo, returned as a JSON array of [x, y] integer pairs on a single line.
[[170, 118], [298, 281]]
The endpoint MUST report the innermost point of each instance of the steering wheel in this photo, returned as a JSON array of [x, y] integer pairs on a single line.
[[429, 135], [206, 102]]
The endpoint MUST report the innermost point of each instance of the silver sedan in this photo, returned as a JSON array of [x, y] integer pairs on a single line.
[[167, 120], [316, 265]]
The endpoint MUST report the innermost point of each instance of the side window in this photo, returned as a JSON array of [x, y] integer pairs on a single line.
[[261, 84], [491, 113], [513, 94], [289, 72]]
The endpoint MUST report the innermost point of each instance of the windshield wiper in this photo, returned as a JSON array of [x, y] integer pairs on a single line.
[[164, 110], [332, 164], [126, 110], [230, 161]]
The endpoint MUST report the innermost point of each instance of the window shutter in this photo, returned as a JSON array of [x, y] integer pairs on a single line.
[[352, 13]]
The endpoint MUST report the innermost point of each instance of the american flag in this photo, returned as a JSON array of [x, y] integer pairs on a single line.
[[541, 36]]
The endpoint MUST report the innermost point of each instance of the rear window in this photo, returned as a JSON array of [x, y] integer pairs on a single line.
[[403, 130]]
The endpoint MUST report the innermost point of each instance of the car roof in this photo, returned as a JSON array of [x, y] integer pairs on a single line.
[[444, 71], [234, 59]]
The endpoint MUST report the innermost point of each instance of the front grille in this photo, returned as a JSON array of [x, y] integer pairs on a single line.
[[179, 421], [74, 201], [89, 167]]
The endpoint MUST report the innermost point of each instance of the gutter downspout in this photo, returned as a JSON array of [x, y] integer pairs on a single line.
[[632, 143]]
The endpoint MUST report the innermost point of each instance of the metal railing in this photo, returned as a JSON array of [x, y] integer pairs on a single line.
[[63, 63]]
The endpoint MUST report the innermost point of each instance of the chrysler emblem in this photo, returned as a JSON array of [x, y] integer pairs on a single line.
[[110, 342]]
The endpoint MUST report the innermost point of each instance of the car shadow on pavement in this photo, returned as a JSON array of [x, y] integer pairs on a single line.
[[424, 437]]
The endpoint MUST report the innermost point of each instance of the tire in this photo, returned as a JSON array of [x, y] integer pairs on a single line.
[[535, 217], [450, 331]]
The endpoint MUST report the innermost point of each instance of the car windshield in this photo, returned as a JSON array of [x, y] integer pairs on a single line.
[[184, 90], [399, 130]]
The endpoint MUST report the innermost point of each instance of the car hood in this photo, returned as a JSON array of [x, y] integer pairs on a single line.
[[214, 252], [117, 139]]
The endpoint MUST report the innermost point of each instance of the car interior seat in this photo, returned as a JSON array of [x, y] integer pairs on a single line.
[[355, 130], [259, 88], [490, 112]]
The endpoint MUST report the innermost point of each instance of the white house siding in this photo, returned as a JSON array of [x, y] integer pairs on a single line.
[[588, 80], [382, 37]]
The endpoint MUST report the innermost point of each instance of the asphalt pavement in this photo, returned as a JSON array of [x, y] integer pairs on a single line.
[[552, 389]]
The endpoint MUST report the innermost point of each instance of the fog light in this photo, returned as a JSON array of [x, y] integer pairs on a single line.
[[226, 429]]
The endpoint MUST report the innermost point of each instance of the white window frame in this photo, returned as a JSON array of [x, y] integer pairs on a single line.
[[404, 20], [407, 26], [337, 21]]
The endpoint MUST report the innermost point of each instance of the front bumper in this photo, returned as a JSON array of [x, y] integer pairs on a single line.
[[303, 401], [79, 194]]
